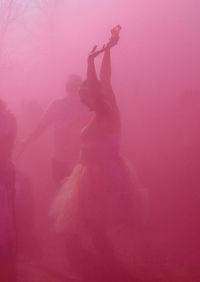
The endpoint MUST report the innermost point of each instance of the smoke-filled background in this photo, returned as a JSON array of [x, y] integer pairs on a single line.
[[156, 68]]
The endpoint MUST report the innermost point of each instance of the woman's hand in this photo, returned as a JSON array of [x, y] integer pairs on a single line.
[[112, 42], [94, 53], [115, 37]]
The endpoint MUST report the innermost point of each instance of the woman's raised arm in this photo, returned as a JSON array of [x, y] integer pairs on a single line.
[[92, 80], [105, 72]]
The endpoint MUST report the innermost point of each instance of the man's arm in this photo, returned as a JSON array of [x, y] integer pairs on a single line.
[[44, 123]]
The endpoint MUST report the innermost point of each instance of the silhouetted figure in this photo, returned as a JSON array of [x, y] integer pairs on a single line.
[[67, 116], [98, 206], [8, 131]]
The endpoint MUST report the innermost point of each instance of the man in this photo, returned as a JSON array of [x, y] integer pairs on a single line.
[[67, 116], [8, 131]]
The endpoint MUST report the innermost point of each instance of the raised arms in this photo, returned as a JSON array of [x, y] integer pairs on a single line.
[[92, 80], [105, 72]]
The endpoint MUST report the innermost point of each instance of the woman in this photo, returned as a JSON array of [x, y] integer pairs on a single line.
[[99, 199]]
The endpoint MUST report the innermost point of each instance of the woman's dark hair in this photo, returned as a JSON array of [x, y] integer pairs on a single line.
[[84, 84]]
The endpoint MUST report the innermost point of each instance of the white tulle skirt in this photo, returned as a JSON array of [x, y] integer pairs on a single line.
[[106, 192], [107, 195]]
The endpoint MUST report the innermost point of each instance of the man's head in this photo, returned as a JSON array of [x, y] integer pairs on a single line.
[[73, 83]]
